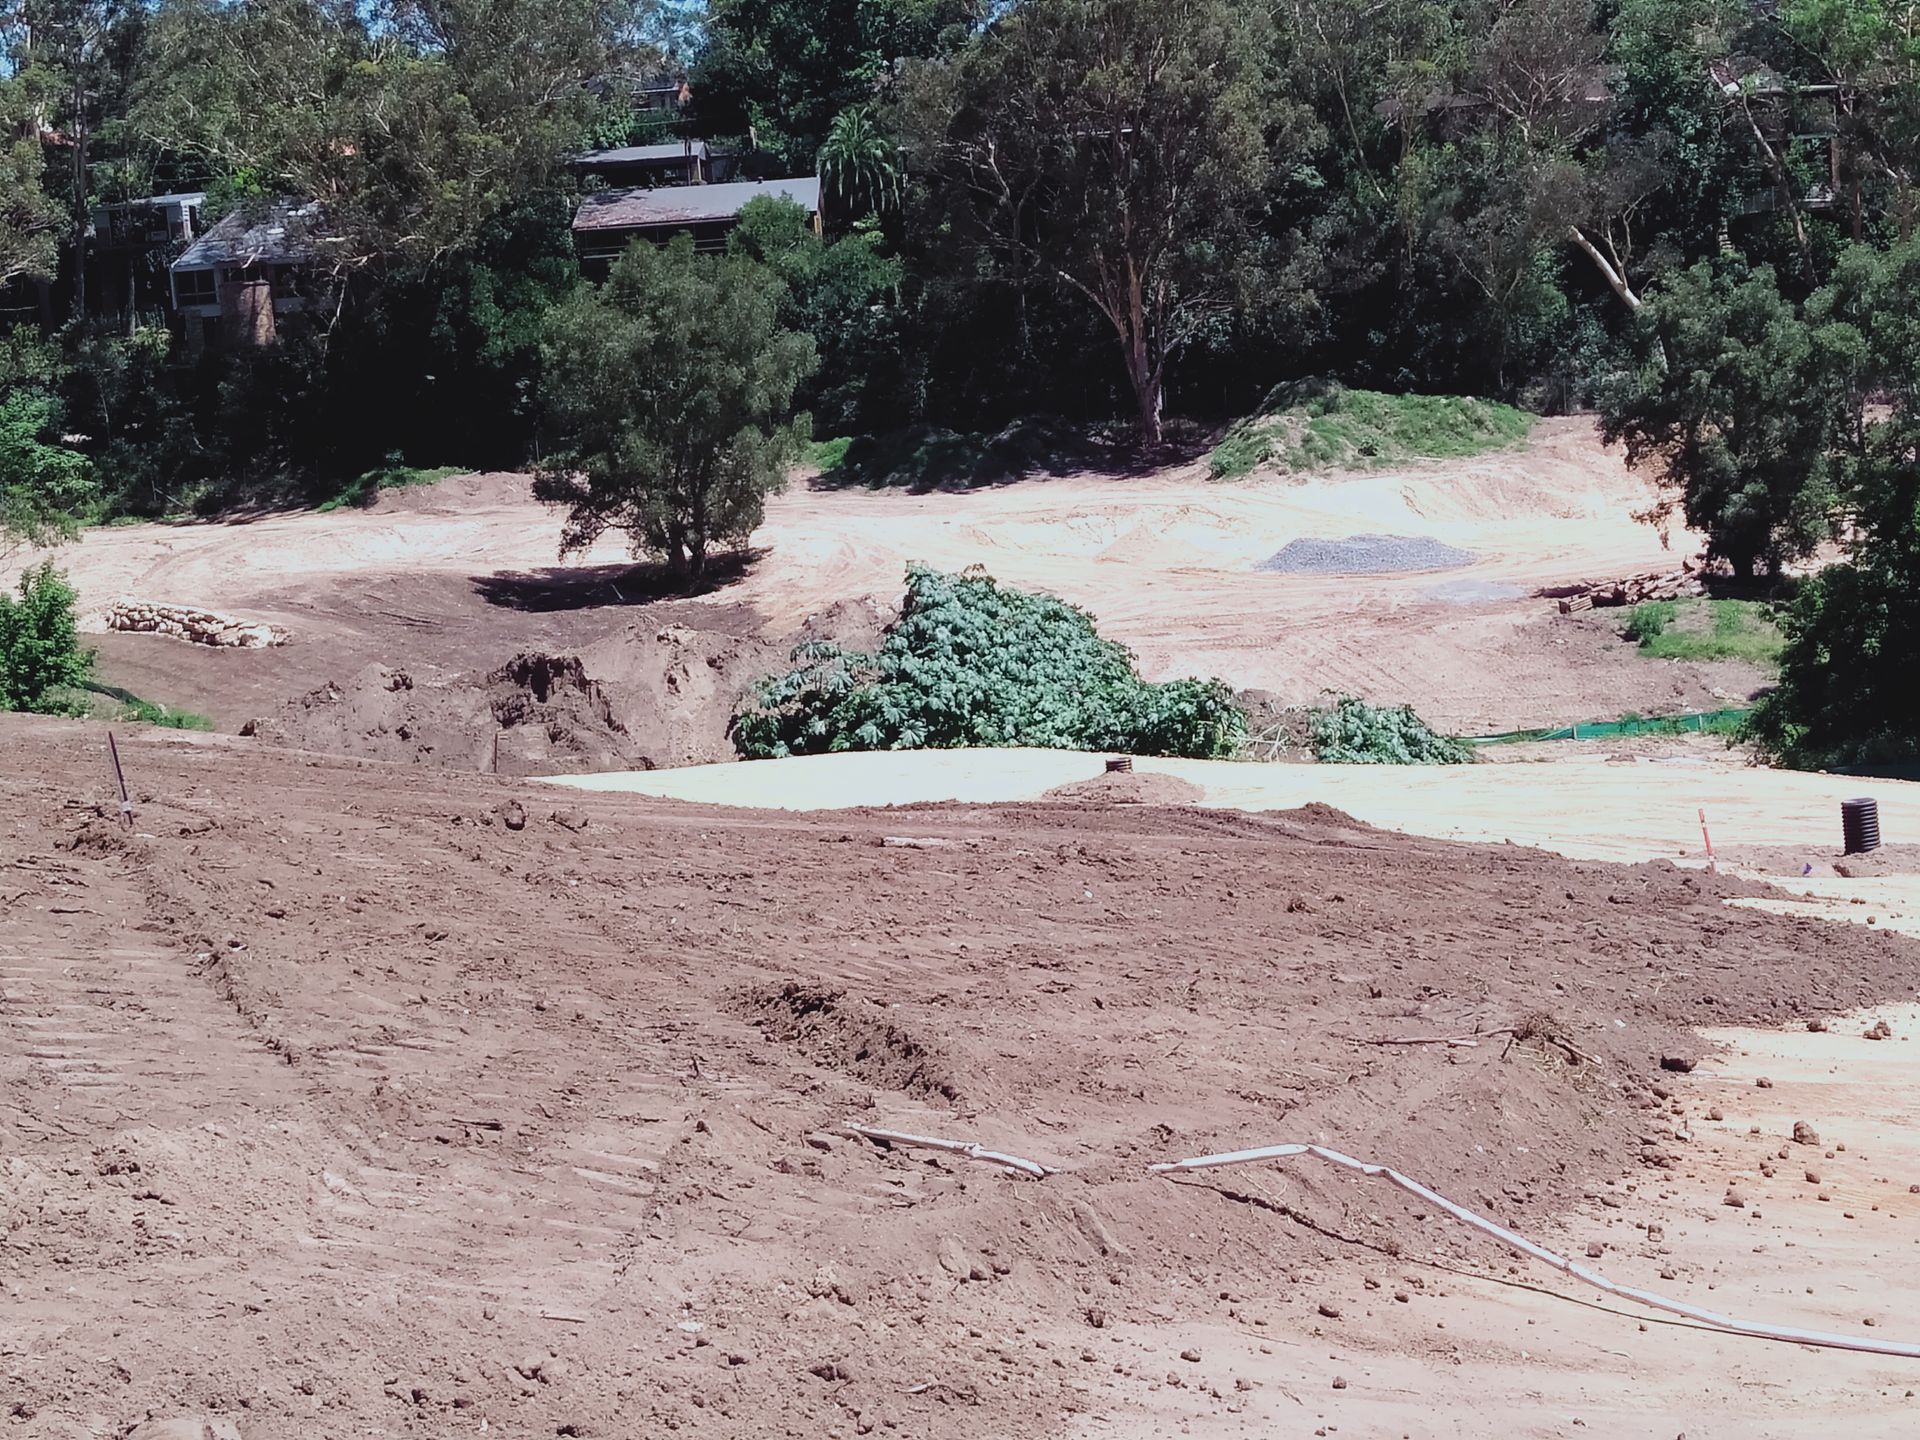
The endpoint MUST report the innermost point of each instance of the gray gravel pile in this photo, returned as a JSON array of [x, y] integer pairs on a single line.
[[1365, 555]]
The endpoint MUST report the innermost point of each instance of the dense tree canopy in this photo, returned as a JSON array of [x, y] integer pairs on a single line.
[[671, 392], [782, 71], [1692, 214]]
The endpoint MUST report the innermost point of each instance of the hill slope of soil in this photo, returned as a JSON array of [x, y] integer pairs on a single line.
[[342, 1097]]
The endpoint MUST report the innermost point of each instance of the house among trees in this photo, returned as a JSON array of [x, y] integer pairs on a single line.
[[608, 222], [675, 162], [667, 92], [130, 243], [150, 222], [235, 281]]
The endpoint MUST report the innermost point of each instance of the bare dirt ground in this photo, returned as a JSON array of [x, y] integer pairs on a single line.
[[332, 1102], [448, 584]]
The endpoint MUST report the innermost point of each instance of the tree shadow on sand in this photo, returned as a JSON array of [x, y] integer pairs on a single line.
[[596, 587]]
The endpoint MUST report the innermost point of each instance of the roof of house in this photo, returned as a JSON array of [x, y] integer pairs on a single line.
[[178, 197], [687, 204], [640, 154], [281, 230]]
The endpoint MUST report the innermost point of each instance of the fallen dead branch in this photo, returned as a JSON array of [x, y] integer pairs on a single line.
[[1527, 1030], [952, 1147], [1522, 1245], [1467, 1042]]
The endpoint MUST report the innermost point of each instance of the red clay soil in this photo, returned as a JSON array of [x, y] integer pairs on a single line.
[[346, 1098], [656, 691]]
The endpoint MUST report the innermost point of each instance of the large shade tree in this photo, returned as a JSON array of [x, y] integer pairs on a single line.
[[670, 390], [1111, 147], [412, 122]]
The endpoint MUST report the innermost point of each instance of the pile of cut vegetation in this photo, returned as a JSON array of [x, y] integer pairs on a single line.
[[1318, 425], [973, 663]]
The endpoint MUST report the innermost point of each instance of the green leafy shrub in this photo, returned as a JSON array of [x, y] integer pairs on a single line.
[[1850, 671], [1313, 425], [971, 662], [1650, 619], [43, 484], [1351, 732], [40, 650], [826, 455]]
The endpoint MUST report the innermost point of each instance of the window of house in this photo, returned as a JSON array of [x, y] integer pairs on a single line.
[[194, 287]]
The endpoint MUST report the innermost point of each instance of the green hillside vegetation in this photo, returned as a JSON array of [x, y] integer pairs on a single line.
[[1329, 427], [1706, 630]]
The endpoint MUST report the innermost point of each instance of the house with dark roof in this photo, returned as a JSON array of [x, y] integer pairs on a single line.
[[248, 270], [150, 222], [676, 162], [609, 221]]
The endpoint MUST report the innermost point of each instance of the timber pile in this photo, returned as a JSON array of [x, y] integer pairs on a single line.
[[1604, 594], [185, 622]]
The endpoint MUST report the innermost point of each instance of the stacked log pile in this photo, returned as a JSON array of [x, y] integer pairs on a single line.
[[1604, 594], [185, 622]]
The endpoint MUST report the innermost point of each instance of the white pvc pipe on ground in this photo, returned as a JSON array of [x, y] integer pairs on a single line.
[[953, 1147], [1865, 1344]]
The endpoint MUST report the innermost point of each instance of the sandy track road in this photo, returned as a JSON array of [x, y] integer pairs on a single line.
[[464, 574]]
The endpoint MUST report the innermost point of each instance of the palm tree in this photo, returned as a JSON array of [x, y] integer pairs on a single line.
[[859, 166]]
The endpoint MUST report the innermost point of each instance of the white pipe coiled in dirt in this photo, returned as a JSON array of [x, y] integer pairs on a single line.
[[1524, 1246]]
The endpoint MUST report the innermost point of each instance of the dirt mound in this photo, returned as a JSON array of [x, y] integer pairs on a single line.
[[1133, 787], [832, 1031], [535, 715], [563, 1102], [648, 696], [456, 495], [1821, 861]]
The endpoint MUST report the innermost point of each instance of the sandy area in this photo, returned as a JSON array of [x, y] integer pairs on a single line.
[[1590, 803], [463, 575]]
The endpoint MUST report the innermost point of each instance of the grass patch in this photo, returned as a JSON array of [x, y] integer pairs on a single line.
[[366, 489], [825, 455], [1313, 425], [1706, 630], [1650, 619], [93, 700], [147, 712]]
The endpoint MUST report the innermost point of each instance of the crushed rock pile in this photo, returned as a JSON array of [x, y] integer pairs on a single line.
[[1365, 555]]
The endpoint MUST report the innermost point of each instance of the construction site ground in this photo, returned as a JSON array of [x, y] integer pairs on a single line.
[[459, 578], [345, 1098], [367, 1085]]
